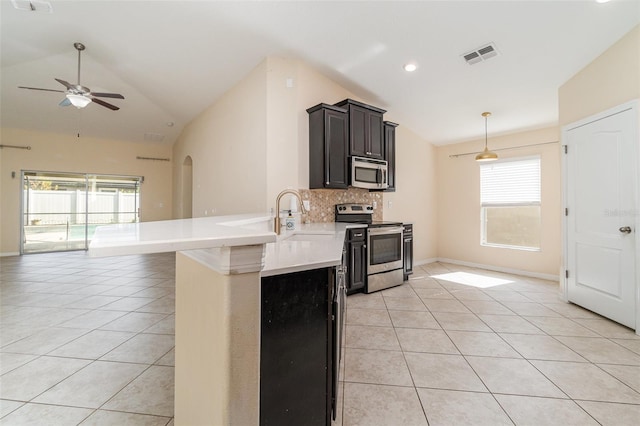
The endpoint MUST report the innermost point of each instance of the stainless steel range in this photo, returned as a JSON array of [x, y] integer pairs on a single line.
[[384, 246]]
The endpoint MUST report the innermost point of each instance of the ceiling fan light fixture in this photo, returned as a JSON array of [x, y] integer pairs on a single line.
[[486, 155], [78, 101]]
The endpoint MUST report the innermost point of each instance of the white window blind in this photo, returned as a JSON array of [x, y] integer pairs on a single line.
[[510, 182]]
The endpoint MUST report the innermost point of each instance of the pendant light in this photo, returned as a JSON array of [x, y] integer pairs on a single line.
[[486, 155]]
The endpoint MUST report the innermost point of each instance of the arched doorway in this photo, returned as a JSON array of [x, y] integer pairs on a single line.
[[187, 188]]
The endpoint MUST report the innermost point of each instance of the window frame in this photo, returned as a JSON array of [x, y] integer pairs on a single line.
[[484, 206]]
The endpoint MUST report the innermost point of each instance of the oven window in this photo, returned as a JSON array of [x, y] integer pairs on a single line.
[[364, 174], [385, 248]]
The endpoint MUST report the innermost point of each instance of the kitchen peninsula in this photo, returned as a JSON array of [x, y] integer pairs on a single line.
[[221, 263]]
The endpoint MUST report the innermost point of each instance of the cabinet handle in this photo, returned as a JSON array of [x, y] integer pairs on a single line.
[[327, 183]]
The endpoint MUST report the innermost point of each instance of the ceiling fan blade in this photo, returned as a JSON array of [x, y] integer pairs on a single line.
[[65, 102], [105, 104], [108, 95], [65, 84], [38, 88]]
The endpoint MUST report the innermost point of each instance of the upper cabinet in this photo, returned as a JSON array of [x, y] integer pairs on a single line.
[[338, 132], [365, 124], [390, 153], [328, 147]]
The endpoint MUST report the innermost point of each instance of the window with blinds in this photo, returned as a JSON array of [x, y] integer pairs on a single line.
[[510, 203]]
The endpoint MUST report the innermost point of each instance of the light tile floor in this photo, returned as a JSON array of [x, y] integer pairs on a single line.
[[90, 341], [463, 346], [87, 340]]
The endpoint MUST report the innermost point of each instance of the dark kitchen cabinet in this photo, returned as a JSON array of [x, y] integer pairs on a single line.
[[297, 348], [407, 248], [328, 147], [357, 260], [365, 126], [390, 153]]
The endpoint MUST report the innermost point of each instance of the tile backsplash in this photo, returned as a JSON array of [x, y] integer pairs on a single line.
[[323, 201]]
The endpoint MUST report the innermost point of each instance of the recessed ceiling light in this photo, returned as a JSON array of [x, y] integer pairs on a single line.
[[410, 67], [603, 1]]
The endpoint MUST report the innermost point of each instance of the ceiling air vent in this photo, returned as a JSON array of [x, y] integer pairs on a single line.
[[153, 137], [480, 54], [33, 6]]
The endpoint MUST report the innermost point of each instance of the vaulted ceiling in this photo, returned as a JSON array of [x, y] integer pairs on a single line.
[[172, 59]]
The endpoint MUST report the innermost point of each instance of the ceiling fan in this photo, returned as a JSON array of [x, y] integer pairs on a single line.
[[78, 95]]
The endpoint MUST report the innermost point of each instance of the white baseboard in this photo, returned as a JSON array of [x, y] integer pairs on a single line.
[[549, 277], [425, 261], [9, 254]]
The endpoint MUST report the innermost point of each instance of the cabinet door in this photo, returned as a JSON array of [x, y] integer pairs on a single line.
[[328, 147], [335, 156], [296, 348], [358, 130], [358, 267], [390, 154], [375, 142]]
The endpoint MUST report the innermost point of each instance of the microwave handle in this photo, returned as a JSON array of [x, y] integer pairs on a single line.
[[384, 177], [379, 175]]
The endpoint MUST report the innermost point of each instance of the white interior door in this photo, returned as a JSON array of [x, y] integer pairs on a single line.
[[602, 212]]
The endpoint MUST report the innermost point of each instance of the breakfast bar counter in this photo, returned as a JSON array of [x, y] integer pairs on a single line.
[[219, 264]]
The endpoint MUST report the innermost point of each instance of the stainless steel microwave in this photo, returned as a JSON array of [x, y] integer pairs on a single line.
[[369, 173]]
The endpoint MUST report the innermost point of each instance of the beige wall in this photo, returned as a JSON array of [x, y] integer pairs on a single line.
[[459, 204], [282, 124], [66, 153], [415, 199], [227, 144], [611, 79]]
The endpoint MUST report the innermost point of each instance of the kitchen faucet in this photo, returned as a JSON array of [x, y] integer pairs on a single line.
[[276, 226]]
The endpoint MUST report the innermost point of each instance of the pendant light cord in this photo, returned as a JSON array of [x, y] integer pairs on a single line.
[[485, 131]]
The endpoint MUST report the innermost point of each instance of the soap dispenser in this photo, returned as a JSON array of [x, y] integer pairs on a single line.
[[290, 222]]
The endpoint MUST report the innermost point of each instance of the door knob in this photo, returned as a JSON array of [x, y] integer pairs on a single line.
[[625, 229]]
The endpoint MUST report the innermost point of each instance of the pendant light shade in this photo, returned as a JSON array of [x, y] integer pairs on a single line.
[[486, 155]]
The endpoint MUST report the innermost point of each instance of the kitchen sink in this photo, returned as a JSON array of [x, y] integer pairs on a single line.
[[309, 237]]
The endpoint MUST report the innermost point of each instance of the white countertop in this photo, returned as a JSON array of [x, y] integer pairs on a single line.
[[182, 234], [310, 246]]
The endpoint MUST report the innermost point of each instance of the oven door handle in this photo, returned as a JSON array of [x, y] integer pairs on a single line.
[[386, 230]]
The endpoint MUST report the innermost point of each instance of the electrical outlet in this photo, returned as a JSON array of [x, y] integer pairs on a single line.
[[390, 204], [306, 204], [375, 205]]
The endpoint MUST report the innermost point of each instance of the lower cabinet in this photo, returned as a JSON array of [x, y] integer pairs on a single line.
[[297, 348], [357, 262]]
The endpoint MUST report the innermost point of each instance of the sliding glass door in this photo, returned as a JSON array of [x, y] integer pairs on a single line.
[[60, 211]]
